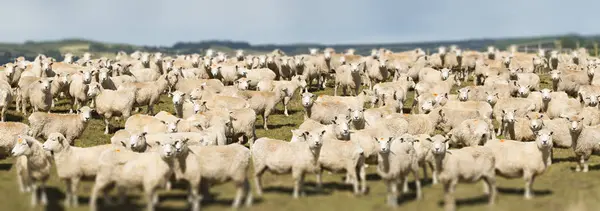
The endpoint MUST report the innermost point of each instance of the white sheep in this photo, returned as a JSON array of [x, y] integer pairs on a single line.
[[10, 130], [585, 141], [396, 159], [79, 86], [525, 160], [148, 93], [144, 123], [264, 103], [282, 157], [220, 164], [425, 123], [468, 164], [6, 98], [149, 171], [471, 132], [296, 82], [38, 94], [366, 96], [348, 77], [111, 103], [32, 166], [73, 163], [69, 125]]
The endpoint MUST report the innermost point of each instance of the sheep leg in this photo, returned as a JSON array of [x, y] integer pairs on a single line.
[[259, 170], [3, 114], [585, 165], [529, 178], [18, 102], [319, 176], [21, 183], [195, 198], [150, 195], [106, 125], [238, 195], [351, 176], [417, 183], [34, 195], [363, 179], [392, 198], [266, 117], [150, 110], [424, 171], [580, 164], [74, 198], [43, 196], [121, 191], [449, 201], [248, 193], [68, 193], [345, 90], [491, 186], [298, 182], [286, 101], [434, 174], [335, 88]]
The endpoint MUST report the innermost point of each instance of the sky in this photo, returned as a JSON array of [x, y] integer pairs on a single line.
[[156, 22]]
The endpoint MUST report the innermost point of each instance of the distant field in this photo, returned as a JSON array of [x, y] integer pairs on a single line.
[[559, 189]]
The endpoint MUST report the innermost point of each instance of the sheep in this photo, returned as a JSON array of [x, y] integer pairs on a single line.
[[521, 105], [148, 93], [256, 75], [150, 171], [111, 103], [243, 124], [348, 76], [425, 123], [38, 94], [366, 96], [294, 84], [525, 160], [264, 103], [12, 74], [468, 164], [32, 166], [187, 85], [228, 74], [389, 107], [396, 159], [484, 108], [319, 68], [232, 162], [183, 107], [584, 140], [528, 79], [111, 163], [455, 116], [473, 93], [69, 125], [146, 74], [283, 157], [79, 86], [570, 82], [6, 97], [10, 130], [592, 115], [517, 128], [471, 132], [401, 86], [73, 163], [150, 124], [563, 106]]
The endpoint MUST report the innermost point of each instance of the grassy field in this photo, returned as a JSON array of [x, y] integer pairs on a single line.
[[559, 189]]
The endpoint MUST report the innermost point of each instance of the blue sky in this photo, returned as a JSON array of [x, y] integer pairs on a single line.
[[155, 22]]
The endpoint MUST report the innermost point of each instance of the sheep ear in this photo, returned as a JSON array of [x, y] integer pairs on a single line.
[[144, 133], [158, 143], [323, 132], [123, 143], [551, 133], [161, 121], [429, 139], [390, 139]]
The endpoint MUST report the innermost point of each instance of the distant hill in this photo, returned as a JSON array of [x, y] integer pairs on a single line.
[[56, 49]]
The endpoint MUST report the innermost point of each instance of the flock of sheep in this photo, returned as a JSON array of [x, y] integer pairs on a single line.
[[217, 98]]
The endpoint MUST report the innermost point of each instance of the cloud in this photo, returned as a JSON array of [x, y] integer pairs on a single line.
[[155, 22]]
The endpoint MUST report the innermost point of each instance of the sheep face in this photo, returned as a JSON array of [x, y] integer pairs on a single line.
[[210, 53], [544, 139], [180, 145], [463, 94], [384, 144], [239, 54], [307, 99], [55, 143], [85, 113], [94, 90], [240, 71], [508, 115], [167, 150], [535, 121], [314, 139], [199, 106], [442, 50], [169, 64], [341, 123], [172, 126], [439, 144], [591, 72], [576, 123], [215, 71], [555, 74], [327, 55], [262, 60], [47, 65], [427, 106], [242, 84], [145, 60], [22, 146], [104, 74], [546, 95], [313, 51], [45, 84], [137, 141], [357, 114], [299, 60], [9, 70], [523, 90], [591, 100], [491, 98], [445, 73], [87, 75]]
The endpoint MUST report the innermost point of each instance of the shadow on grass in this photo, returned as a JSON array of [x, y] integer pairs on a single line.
[[479, 200], [10, 117], [289, 190], [55, 198], [564, 159], [521, 191], [291, 112], [5, 166], [274, 126]]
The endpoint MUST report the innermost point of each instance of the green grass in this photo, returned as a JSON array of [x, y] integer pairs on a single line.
[[560, 188]]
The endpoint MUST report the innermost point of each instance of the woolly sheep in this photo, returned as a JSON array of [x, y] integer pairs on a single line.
[[468, 164], [264, 103], [584, 141], [38, 94], [144, 123], [366, 96], [10, 130], [6, 98], [219, 164], [78, 87], [563, 106], [526, 160], [111, 103], [73, 163], [32, 166], [471, 132], [348, 77], [473, 93], [294, 84], [517, 128], [425, 123], [396, 159], [283, 157], [149, 171], [148, 93], [71, 126]]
